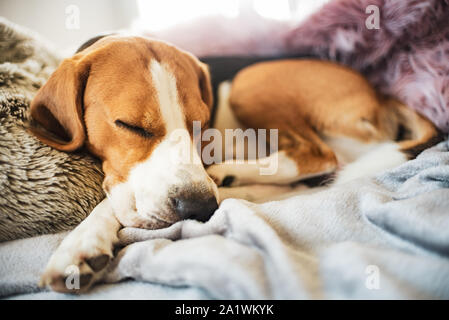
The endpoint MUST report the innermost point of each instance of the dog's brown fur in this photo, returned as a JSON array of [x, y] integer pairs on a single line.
[[84, 97], [310, 99]]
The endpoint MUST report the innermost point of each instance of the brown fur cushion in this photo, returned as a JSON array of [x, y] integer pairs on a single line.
[[42, 190]]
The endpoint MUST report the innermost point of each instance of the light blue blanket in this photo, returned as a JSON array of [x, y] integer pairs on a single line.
[[386, 237]]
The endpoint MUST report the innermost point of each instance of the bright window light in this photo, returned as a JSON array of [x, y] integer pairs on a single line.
[[157, 14], [304, 8], [278, 10]]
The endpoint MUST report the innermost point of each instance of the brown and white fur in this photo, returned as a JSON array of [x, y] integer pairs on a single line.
[[328, 117], [126, 98]]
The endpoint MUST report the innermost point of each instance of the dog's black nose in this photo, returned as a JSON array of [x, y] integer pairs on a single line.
[[194, 208]]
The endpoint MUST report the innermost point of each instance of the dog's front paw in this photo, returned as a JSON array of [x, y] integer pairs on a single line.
[[76, 265], [221, 177]]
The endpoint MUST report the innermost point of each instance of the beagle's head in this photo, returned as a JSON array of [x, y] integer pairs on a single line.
[[132, 102]]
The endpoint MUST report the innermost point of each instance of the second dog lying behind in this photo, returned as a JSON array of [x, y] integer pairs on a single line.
[[327, 116]]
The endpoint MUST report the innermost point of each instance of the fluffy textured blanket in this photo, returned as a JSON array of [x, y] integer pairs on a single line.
[[42, 190], [384, 237], [406, 57]]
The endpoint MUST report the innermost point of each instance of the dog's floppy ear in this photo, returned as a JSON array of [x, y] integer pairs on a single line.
[[205, 85], [57, 108], [202, 71]]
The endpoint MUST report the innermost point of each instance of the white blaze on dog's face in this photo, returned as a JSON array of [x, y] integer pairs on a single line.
[[132, 102], [173, 171]]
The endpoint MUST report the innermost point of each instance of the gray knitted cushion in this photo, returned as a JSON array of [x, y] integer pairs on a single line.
[[42, 190]]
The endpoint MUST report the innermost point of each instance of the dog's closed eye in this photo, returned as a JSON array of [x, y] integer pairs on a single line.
[[138, 130]]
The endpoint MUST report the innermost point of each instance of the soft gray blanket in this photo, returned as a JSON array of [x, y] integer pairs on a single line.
[[386, 237]]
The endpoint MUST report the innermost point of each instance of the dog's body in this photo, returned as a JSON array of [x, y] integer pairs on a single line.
[[327, 116], [132, 101]]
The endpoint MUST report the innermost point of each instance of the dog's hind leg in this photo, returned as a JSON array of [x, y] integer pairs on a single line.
[[82, 257], [259, 193], [301, 154]]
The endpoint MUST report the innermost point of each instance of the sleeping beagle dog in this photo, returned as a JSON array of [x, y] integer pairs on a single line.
[[131, 101]]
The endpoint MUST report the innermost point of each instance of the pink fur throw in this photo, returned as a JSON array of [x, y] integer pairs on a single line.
[[407, 57]]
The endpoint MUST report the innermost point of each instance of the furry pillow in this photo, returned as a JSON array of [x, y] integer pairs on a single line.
[[42, 190], [406, 57]]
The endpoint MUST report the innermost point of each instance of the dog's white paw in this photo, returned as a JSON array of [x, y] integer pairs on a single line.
[[78, 263]]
